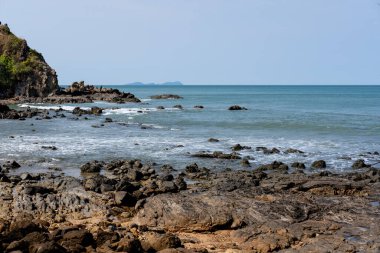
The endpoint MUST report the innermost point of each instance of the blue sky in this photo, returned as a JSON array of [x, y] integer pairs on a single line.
[[203, 41]]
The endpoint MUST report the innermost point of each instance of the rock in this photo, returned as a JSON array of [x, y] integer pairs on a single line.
[[91, 167], [245, 163], [4, 108], [11, 165], [166, 96], [239, 147], [298, 165], [77, 240], [268, 151], [320, 164], [23, 71], [153, 242], [124, 199], [293, 151], [198, 107], [49, 147], [358, 164], [160, 107], [108, 120], [47, 247], [213, 140], [280, 166], [93, 111], [192, 168], [178, 107], [218, 155], [236, 108]]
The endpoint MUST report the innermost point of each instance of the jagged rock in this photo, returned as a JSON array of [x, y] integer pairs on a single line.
[[273, 166], [298, 165], [11, 165], [91, 167]]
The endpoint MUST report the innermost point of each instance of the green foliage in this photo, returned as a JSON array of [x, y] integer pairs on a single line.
[[6, 68]]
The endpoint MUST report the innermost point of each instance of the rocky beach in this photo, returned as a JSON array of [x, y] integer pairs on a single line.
[[179, 191]]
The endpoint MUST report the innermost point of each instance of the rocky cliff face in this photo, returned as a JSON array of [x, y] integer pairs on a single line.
[[23, 71]]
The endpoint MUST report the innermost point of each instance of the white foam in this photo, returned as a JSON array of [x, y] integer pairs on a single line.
[[133, 111], [53, 107]]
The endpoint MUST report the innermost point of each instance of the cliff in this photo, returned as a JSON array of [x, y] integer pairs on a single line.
[[23, 71]]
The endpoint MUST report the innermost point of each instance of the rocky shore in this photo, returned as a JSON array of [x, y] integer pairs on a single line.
[[128, 206]]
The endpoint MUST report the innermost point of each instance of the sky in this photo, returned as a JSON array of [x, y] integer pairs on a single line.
[[203, 41]]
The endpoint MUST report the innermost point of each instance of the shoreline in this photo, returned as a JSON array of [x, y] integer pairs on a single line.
[[133, 208]]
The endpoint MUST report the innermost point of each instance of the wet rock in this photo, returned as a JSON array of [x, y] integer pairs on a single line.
[[236, 108], [160, 107], [213, 140], [198, 107], [293, 151], [245, 163], [108, 120], [239, 147], [298, 165], [49, 147], [320, 164], [218, 155], [273, 166], [358, 164], [166, 96], [93, 111], [178, 107], [268, 151], [11, 165], [91, 167], [192, 168]]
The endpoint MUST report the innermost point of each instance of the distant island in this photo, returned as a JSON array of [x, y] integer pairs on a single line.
[[166, 83]]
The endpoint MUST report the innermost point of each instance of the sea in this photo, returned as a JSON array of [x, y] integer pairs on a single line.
[[338, 124]]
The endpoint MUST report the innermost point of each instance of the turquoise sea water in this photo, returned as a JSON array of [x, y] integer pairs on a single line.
[[327, 122]]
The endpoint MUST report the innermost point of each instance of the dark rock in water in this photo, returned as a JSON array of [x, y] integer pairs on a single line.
[[358, 164], [273, 166], [94, 111], [320, 164], [376, 153], [213, 140], [166, 96], [178, 107], [108, 120], [91, 167], [166, 168], [236, 108], [298, 165], [293, 151], [245, 163], [218, 155], [192, 168], [11, 165], [49, 147], [268, 151], [198, 107], [239, 147], [160, 107], [4, 108]]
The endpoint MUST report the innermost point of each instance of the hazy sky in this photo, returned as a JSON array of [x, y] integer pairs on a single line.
[[203, 41]]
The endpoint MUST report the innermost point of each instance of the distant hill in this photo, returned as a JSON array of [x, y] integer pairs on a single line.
[[166, 83]]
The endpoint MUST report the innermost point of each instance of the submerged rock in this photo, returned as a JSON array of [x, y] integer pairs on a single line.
[[358, 164], [236, 108], [166, 96], [320, 164]]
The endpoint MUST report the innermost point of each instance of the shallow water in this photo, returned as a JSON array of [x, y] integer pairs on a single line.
[[326, 122]]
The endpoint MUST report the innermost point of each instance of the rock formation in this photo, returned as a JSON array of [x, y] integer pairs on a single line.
[[23, 71]]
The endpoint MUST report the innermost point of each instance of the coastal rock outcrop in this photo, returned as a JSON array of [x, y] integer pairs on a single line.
[[23, 71], [166, 96]]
